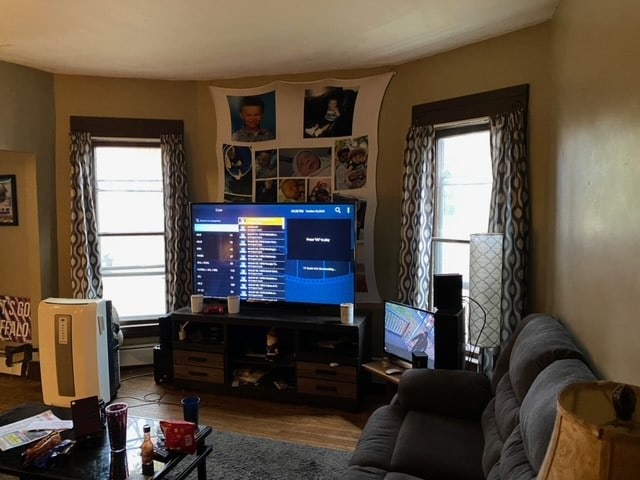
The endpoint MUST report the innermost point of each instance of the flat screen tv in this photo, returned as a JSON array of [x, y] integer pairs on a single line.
[[408, 329], [288, 253]]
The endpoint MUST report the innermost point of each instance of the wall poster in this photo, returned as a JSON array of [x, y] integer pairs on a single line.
[[15, 319], [8, 200], [305, 142]]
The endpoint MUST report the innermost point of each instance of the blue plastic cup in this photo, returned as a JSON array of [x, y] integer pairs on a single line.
[[191, 408]]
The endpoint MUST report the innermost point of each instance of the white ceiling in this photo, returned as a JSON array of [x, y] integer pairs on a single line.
[[215, 39]]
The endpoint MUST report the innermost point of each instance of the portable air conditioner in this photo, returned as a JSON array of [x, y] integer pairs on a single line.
[[74, 338]]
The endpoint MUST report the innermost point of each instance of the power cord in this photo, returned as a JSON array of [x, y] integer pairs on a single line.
[[148, 398], [484, 323]]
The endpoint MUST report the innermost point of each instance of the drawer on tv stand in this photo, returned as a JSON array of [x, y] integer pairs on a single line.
[[203, 359], [325, 371], [198, 374], [327, 388]]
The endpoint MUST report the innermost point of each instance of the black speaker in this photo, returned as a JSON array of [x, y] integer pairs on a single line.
[[166, 332], [449, 339], [113, 349], [419, 360], [447, 291], [162, 364]]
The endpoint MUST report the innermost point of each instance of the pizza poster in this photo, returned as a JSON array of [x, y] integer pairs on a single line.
[[15, 319]]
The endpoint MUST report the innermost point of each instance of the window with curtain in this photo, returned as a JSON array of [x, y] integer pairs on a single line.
[[130, 237], [464, 176], [130, 214]]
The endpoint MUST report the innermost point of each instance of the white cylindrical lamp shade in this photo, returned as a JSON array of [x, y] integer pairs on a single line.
[[485, 288]]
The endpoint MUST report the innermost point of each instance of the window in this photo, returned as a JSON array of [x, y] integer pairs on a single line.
[[463, 194], [461, 203], [130, 214]]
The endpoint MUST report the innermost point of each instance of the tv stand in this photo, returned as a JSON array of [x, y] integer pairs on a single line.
[[311, 357]]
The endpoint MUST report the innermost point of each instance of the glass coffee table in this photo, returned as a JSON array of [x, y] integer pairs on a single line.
[[91, 458]]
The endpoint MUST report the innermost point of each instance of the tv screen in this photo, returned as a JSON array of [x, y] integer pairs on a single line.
[[275, 252], [408, 329]]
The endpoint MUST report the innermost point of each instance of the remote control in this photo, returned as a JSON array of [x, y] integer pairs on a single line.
[[161, 453]]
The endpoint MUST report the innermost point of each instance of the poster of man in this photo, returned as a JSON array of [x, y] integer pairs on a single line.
[[253, 117]]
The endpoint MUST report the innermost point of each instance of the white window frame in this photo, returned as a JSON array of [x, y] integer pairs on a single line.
[[443, 130], [133, 270]]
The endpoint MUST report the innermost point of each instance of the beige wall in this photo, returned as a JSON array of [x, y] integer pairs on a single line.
[[94, 96], [20, 252], [596, 279], [19, 255], [522, 57], [583, 73], [27, 125], [188, 101], [518, 58]]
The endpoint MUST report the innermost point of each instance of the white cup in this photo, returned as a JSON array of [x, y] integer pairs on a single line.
[[197, 303], [346, 312], [233, 304]]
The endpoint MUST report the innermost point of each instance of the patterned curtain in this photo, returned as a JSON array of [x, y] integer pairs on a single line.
[[416, 224], [176, 222], [509, 212], [86, 276]]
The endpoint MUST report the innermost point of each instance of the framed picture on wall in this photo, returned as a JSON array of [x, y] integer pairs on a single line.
[[8, 201]]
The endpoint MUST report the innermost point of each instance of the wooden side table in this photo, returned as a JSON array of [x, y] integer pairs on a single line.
[[375, 368]]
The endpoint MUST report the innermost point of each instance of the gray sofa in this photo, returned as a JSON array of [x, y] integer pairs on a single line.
[[459, 425]]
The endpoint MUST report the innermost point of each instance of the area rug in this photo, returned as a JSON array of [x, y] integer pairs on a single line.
[[241, 457]]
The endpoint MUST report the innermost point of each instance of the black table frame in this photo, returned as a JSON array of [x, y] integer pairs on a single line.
[[90, 458]]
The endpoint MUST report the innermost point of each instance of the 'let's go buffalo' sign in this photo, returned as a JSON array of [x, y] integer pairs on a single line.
[[15, 319]]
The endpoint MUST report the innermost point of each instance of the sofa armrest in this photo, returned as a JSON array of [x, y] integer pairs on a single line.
[[454, 393]]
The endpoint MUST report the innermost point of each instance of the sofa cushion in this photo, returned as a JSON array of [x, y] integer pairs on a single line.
[[498, 421], [538, 411], [455, 393], [358, 472], [502, 364], [378, 438], [400, 476], [507, 408], [540, 343], [492, 441], [370, 473], [514, 464], [429, 446]]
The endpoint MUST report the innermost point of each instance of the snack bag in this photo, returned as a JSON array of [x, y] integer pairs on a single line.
[[179, 435]]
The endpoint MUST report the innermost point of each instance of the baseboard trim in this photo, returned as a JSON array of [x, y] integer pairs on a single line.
[[136, 355]]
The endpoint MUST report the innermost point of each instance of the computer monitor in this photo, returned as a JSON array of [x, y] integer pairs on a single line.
[[408, 329]]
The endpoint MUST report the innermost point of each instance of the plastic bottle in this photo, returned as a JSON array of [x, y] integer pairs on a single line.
[[146, 451]]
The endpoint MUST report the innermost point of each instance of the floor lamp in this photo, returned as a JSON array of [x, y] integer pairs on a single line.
[[485, 293]]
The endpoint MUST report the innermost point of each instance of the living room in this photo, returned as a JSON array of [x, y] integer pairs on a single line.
[[583, 111]]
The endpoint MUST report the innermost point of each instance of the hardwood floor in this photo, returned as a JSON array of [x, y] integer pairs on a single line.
[[311, 425]]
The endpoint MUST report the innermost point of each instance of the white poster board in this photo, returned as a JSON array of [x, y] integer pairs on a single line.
[[305, 142]]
